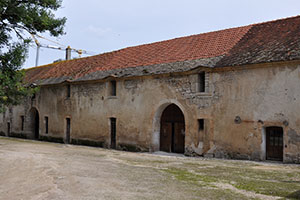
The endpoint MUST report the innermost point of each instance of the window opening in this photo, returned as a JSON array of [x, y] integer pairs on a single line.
[[200, 124], [201, 82], [113, 91], [68, 91]]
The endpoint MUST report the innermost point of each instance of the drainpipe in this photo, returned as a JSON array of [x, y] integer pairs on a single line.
[[68, 53]]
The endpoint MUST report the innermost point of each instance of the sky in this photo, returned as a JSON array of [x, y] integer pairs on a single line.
[[99, 26]]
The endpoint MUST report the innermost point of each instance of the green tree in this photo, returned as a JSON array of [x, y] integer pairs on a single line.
[[17, 19]]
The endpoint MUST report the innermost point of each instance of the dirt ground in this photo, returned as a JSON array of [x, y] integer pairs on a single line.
[[41, 170]]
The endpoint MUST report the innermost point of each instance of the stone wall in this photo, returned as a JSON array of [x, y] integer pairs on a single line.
[[90, 107], [266, 95], [259, 96]]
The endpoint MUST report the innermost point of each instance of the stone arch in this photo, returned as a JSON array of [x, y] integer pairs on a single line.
[[155, 143]]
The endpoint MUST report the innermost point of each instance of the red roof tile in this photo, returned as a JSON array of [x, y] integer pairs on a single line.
[[265, 42], [193, 47]]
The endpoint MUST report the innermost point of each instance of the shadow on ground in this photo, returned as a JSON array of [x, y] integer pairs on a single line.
[[294, 195]]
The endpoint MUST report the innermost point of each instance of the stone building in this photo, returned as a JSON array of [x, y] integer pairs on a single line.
[[233, 93]]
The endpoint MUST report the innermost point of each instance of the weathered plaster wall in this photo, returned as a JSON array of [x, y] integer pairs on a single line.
[[136, 107], [261, 97]]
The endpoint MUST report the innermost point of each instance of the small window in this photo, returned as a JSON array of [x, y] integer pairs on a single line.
[[46, 125], [68, 91], [33, 97], [113, 88], [201, 82], [200, 124], [22, 122]]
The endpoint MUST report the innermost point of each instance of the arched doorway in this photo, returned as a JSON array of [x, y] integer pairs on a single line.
[[35, 123], [274, 143], [172, 130]]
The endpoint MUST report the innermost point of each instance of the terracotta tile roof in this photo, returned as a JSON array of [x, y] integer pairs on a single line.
[[265, 42], [193, 47]]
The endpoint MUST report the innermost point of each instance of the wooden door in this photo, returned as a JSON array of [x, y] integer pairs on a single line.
[[113, 133], [166, 137], [179, 135], [68, 130], [274, 143], [36, 125], [8, 128], [172, 130]]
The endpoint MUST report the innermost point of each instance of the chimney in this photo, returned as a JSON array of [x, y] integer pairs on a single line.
[[68, 53]]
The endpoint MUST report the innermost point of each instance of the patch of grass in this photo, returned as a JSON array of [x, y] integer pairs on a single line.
[[204, 185], [184, 175], [215, 193], [267, 182], [267, 187], [278, 182], [294, 195]]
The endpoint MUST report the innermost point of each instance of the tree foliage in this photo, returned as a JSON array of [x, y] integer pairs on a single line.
[[17, 19]]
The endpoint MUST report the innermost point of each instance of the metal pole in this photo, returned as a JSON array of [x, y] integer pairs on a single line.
[[37, 55]]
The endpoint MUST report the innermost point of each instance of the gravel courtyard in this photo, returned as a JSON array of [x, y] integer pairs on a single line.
[[41, 170]]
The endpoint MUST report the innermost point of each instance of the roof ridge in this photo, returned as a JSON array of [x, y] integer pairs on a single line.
[[192, 47], [176, 38], [259, 44], [141, 45], [276, 20], [183, 37], [251, 26], [209, 32]]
